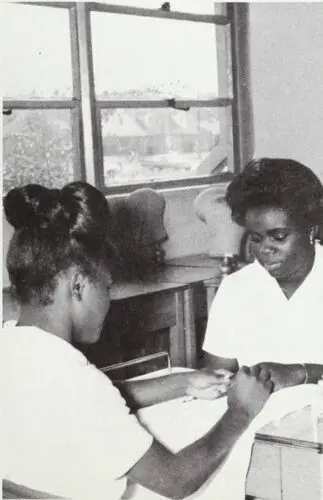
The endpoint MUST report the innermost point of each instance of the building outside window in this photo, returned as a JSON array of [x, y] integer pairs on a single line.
[[120, 96]]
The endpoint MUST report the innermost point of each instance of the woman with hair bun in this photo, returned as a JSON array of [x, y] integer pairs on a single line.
[[67, 429], [271, 310]]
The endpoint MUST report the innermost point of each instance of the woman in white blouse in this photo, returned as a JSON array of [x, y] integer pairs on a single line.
[[66, 429], [272, 310]]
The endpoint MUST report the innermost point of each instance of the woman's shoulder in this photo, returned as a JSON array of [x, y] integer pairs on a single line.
[[245, 274], [34, 344]]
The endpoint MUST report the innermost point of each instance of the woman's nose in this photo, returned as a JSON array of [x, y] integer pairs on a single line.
[[267, 247]]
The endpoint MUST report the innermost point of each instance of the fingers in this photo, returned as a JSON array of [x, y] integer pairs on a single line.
[[269, 384], [255, 371], [264, 375], [209, 393], [258, 371]]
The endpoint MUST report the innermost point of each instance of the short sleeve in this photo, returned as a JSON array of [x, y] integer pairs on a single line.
[[222, 327], [80, 435], [114, 435]]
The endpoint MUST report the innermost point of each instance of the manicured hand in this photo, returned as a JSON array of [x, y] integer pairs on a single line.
[[208, 383], [250, 390]]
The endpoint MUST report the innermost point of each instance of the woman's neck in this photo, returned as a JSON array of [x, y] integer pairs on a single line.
[[46, 318]]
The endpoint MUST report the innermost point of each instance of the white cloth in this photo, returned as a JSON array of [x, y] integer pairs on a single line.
[[177, 424], [252, 320], [68, 430]]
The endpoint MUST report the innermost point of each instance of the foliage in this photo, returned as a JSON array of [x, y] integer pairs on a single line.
[[37, 147]]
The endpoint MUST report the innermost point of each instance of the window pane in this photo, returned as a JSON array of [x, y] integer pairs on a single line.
[[193, 6], [157, 59], [37, 148], [36, 58], [141, 145]]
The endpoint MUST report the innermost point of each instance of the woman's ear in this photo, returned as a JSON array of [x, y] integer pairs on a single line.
[[77, 284]]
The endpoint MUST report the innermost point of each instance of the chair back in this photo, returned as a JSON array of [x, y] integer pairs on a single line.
[[137, 361]]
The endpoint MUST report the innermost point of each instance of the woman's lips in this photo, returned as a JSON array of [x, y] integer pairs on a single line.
[[270, 266]]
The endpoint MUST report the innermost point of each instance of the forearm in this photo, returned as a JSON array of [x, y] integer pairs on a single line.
[[181, 474], [314, 373], [289, 375], [218, 363], [142, 393], [205, 456]]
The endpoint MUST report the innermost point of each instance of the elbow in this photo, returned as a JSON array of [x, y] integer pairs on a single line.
[[185, 484], [178, 488], [183, 491]]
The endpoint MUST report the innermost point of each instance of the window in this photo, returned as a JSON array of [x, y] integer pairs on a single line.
[[120, 96]]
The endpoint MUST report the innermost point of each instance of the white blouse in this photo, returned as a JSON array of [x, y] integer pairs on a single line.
[[252, 320], [67, 429]]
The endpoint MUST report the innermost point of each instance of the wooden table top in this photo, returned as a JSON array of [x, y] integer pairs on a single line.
[[183, 274], [129, 289], [197, 260]]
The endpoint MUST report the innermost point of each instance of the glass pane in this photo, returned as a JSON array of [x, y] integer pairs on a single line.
[[141, 145], [193, 6], [36, 55], [180, 59], [37, 148]]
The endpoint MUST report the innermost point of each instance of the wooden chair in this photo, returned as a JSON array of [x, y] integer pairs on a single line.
[[144, 359]]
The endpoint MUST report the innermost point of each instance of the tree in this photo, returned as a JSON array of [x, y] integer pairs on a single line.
[[37, 148]]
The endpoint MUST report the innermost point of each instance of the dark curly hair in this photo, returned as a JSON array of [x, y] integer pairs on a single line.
[[279, 183], [55, 229]]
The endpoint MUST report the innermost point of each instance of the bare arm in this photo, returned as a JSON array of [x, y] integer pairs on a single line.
[[181, 474], [201, 384], [142, 393], [284, 375], [216, 362]]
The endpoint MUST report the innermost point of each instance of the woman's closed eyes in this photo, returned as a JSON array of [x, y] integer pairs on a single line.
[[276, 236]]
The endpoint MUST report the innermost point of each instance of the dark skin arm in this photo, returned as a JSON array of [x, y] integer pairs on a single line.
[[216, 362], [202, 384], [142, 393], [289, 375], [181, 474]]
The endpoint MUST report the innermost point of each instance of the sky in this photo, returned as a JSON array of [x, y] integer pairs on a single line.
[[129, 52]]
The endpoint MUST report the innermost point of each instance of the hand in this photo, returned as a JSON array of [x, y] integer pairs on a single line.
[[250, 390], [208, 383], [284, 375]]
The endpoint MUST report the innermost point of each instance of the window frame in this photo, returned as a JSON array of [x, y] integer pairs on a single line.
[[86, 109]]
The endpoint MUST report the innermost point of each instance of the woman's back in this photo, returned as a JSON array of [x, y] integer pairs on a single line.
[[68, 430]]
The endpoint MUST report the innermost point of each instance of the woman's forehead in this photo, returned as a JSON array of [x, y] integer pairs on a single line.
[[268, 218]]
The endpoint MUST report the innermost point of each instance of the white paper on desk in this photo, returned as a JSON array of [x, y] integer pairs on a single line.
[[178, 424]]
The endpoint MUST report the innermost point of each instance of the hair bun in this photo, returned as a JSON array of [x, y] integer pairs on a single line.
[[31, 206]]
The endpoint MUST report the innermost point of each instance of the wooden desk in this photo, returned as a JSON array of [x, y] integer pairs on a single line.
[[150, 306], [211, 286], [198, 260], [194, 300]]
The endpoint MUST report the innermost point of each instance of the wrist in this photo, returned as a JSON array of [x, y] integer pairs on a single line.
[[239, 417], [302, 374]]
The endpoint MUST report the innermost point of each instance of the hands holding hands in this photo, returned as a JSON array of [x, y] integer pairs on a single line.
[[284, 375], [247, 391], [209, 383]]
